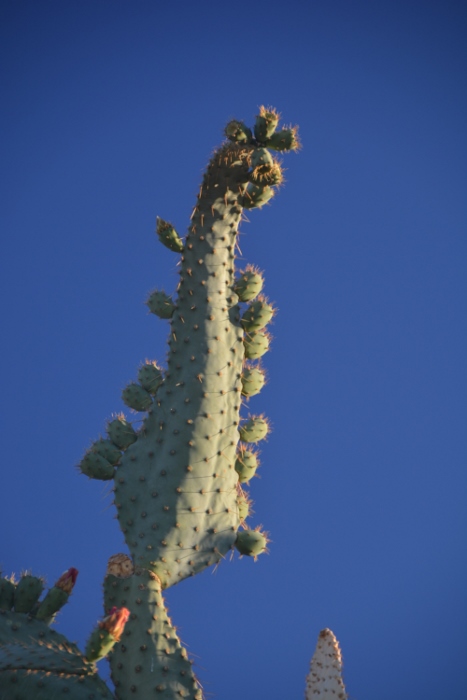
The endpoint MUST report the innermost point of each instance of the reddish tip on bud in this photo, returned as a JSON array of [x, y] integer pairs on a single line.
[[115, 622], [67, 580]]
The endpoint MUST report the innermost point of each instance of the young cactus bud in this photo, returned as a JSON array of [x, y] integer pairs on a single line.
[[96, 466], [284, 140], [249, 284], [257, 315], [238, 132], [254, 429], [246, 465], [134, 396], [107, 450], [57, 596], [251, 543], [256, 196], [27, 593], [325, 677], [160, 304], [106, 634], [121, 433], [253, 380], [266, 123], [168, 236], [255, 344], [150, 377], [7, 593], [244, 505]]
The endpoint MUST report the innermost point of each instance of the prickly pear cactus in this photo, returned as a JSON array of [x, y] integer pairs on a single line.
[[37, 662], [179, 481]]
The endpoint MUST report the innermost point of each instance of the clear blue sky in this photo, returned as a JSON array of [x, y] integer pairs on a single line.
[[111, 109]]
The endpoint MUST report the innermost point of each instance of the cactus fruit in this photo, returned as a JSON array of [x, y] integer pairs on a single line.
[[256, 344], [325, 678], [254, 429], [160, 304], [249, 284], [168, 236], [137, 398], [251, 543], [121, 433], [246, 465], [253, 380], [257, 315]]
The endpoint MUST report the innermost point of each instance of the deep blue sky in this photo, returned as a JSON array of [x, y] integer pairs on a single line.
[[111, 109]]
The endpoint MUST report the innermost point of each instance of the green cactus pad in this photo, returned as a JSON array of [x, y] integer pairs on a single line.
[[256, 345], [260, 156], [150, 377], [254, 429], [249, 284], [121, 433], [137, 398], [160, 304], [251, 543], [257, 315], [168, 236], [238, 132], [256, 196], [37, 663], [7, 593], [284, 140], [27, 593], [106, 449], [244, 506], [246, 465], [266, 124], [253, 380], [96, 467], [52, 603], [149, 643]]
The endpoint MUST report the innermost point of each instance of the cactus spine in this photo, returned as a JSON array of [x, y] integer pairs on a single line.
[[177, 480]]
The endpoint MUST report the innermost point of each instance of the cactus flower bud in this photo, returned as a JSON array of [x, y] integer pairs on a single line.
[[67, 580], [115, 622]]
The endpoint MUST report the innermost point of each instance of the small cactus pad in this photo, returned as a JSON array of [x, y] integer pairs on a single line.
[[160, 304], [249, 284], [256, 196], [244, 506], [57, 596], [251, 542], [252, 381], [121, 433], [96, 467], [284, 140], [168, 236], [238, 132], [257, 315], [254, 429], [107, 449], [266, 124], [137, 398], [256, 344], [324, 681], [246, 465], [150, 377], [27, 593], [7, 592]]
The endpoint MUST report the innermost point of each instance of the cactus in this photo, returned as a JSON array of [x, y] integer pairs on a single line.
[[177, 479]]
